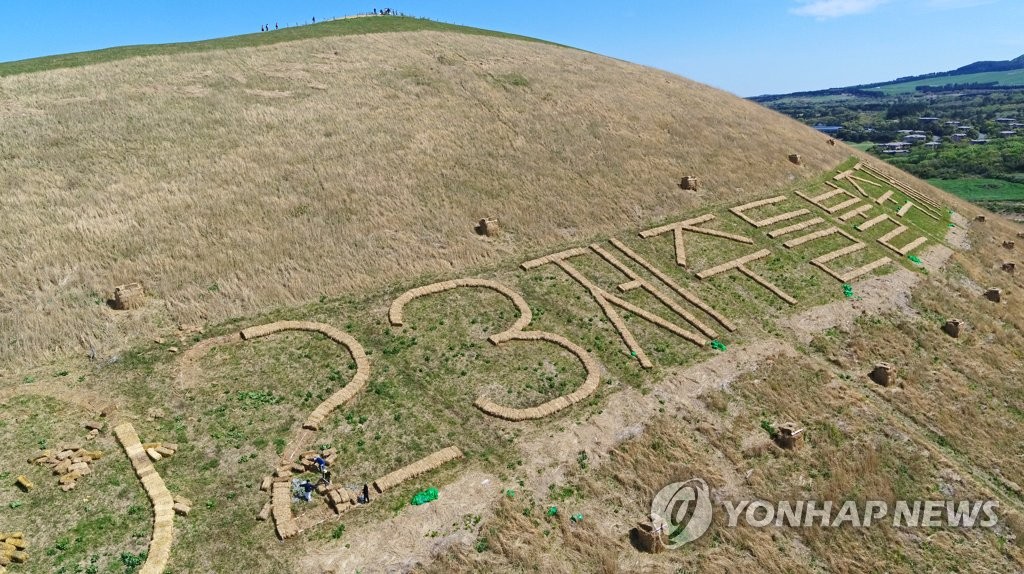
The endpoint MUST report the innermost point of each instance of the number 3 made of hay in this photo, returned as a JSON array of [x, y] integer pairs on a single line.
[[513, 333]]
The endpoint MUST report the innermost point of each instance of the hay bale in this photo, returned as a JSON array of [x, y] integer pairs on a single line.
[[953, 327], [1009, 267], [994, 295], [795, 159], [24, 483], [129, 296], [1009, 244], [488, 226], [884, 374], [790, 437], [980, 218], [645, 539], [689, 183]]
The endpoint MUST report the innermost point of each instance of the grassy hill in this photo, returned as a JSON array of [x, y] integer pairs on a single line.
[[230, 182], [320, 179]]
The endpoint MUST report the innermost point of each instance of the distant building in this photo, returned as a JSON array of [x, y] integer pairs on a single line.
[[933, 145], [958, 137], [914, 138], [927, 119], [827, 129], [1007, 133], [952, 123], [894, 147], [980, 141], [1006, 120]]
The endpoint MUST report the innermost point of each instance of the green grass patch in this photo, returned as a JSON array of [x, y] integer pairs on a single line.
[[981, 189], [1004, 78]]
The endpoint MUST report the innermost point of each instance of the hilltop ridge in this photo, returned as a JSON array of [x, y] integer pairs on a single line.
[[359, 24]]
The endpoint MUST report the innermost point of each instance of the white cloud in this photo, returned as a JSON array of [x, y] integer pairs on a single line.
[[824, 9]]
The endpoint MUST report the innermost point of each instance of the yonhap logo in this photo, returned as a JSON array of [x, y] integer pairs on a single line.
[[682, 511]]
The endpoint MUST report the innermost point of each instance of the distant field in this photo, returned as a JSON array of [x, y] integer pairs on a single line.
[[977, 189], [1007, 78], [340, 27], [863, 146]]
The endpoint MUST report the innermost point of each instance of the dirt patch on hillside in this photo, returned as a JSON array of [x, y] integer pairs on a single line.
[[414, 536]]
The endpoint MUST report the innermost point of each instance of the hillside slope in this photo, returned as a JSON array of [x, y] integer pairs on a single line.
[[310, 206], [231, 182]]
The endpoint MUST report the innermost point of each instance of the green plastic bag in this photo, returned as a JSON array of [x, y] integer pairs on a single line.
[[553, 511], [578, 517], [847, 290], [717, 345], [914, 258], [424, 496], [510, 493]]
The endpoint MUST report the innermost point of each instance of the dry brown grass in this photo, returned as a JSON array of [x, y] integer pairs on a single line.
[[856, 449], [232, 182]]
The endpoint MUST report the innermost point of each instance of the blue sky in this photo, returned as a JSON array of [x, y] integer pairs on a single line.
[[748, 47]]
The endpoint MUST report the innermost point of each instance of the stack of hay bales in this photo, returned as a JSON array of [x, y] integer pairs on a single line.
[[284, 520], [308, 463], [417, 468], [69, 462], [12, 549], [94, 428], [182, 506], [795, 159], [130, 296], [163, 513], [340, 499]]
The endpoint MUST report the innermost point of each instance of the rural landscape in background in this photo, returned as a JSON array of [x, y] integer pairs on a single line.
[[512, 288], [962, 130]]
